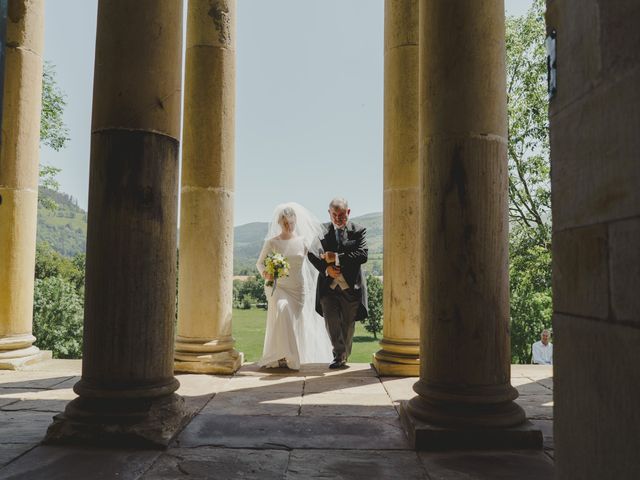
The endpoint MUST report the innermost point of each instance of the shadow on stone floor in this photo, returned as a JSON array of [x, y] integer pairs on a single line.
[[313, 423]]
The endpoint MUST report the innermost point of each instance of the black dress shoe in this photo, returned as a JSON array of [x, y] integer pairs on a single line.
[[337, 364]]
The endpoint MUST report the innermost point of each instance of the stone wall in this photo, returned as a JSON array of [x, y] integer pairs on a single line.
[[595, 145]]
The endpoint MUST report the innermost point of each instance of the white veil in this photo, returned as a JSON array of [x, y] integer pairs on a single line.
[[307, 226], [315, 346]]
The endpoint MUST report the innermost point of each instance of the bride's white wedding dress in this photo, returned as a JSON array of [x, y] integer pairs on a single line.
[[294, 330]]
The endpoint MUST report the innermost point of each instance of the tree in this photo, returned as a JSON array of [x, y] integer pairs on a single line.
[[249, 291], [529, 182], [373, 322], [57, 317], [53, 131], [50, 263]]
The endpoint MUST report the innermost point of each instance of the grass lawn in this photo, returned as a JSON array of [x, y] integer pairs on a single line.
[[248, 330]]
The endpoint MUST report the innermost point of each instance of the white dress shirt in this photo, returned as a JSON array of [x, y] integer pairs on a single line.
[[339, 280], [542, 354]]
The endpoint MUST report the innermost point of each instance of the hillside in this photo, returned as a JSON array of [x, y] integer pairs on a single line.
[[65, 229]]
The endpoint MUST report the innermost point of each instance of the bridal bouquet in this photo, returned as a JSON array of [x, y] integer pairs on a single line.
[[276, 265]]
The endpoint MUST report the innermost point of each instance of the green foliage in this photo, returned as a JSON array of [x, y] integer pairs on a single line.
[[53, 131], [531, 306], [373, 323], [65, 227], [58, 302], [529, 182], [58, 313], [248, 292]]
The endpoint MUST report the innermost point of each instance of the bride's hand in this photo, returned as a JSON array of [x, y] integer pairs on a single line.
[[267, 276]]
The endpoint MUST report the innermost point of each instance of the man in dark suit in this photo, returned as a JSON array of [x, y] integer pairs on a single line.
[[341, 294]]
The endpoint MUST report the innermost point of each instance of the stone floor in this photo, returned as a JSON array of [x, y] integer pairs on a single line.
[[314, 423]]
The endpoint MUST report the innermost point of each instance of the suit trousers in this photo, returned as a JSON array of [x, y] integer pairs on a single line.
[[340, 308]]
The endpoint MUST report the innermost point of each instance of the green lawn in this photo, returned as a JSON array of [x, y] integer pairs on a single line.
[[248, 330]]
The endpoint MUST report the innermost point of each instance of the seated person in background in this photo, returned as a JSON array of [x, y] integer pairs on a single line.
[[542, 350]]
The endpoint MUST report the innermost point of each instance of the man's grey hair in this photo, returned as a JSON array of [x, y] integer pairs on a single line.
[[547, 331], [339, 202]]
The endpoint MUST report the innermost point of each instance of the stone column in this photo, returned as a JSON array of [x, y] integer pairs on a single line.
[[465, 398], [204, 342], [126, 393], [19, 158], [399, 347]]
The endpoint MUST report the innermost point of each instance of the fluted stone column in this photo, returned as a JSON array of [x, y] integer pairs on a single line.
[[204, 342], [399, 347], [19, 158], [465, 398], [126, 393]]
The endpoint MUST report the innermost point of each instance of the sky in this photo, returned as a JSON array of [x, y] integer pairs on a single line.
[[308, 101]]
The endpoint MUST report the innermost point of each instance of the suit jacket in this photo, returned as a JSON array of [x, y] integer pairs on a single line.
[[352, 253]]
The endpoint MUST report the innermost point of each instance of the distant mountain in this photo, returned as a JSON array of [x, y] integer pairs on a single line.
[[65, 229]]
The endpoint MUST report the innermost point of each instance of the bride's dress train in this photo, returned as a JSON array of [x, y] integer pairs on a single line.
[[294, 330]]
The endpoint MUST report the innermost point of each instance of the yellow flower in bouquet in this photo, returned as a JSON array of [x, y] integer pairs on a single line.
[[276, 265]]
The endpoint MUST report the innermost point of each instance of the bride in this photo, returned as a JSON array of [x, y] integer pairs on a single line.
[[295, 333]]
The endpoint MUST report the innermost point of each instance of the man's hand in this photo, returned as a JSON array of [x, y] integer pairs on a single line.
[[329, 257], [333, 272]]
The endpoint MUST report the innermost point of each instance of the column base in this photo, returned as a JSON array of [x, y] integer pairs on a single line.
[[24, 361], [140, 423], [217, 363], [389, 365], [428, 437]]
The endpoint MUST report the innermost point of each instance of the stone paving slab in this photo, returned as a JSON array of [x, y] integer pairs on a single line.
[[198, 390], [222, 463], [520, 381], [71, 366], [355, 465], [10, 451], [192, 384], [547, 382], [24, 426], [6, 400], [270, 383], [536, 372], [338, 398], [69, 383], [533, 388], [71, 463], [31, 380], [349, 411], [496, 465], [352, 370], [537, 406], [254, 402], [399, 388], [340, 385], [546, 427], [321, 423], [243, 431], [311, 370]]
